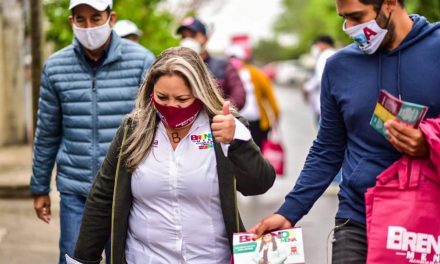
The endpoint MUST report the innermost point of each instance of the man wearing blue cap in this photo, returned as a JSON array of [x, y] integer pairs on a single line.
[[193, 35], [86, 89]]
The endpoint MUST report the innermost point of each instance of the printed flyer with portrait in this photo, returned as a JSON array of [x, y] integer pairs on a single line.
[[390, 107], [278, 247]]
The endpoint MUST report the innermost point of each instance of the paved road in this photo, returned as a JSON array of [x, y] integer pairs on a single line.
[[24, 239], [298, 132]]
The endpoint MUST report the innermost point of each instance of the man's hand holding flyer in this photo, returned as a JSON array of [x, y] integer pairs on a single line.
[[390, 107], [277, 247]]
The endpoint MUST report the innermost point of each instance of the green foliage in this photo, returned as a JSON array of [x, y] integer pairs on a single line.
[[427, 8], [308, 19], [59, 31], [157, 26], [268, 50], [311, 18]]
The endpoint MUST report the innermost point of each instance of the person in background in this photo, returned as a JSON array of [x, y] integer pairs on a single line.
[[322, 49], [128, 30], [166, 191], [194, 36], [393, 51], [86, 89], [261, 108]]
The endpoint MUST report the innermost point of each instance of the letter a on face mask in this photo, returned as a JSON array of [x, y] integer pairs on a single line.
[[369, 33], [368, 36]]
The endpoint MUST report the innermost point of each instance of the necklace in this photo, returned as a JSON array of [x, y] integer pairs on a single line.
[[175, 137]]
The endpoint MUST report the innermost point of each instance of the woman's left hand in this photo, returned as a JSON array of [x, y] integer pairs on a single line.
[[223, 126]]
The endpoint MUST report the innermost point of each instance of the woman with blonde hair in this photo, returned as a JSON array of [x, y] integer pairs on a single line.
[[166, 190]]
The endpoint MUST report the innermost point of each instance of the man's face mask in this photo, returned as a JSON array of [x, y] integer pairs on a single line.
[[368, 36], [192, 44], [315, 51], [93, 38]]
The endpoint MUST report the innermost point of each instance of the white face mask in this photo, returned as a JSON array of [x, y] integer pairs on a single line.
[[93, 38], [315, 51], [368, 36], [191, 44]]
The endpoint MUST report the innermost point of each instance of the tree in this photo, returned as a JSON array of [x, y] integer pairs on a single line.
[[308, 19], [268, 50], [428, 8], [157, 25]]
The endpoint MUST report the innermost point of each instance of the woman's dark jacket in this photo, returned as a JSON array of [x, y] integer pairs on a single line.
[[108, 205]]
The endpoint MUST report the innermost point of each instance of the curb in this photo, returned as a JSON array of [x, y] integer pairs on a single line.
[[15, 192]]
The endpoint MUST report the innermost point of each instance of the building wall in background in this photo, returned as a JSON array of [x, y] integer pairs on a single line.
[[12, 92]]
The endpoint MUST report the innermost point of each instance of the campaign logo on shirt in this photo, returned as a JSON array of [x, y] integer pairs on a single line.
[[203, 141], [155, 143]]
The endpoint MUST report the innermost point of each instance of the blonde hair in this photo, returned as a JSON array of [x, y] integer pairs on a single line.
[[186, 64]]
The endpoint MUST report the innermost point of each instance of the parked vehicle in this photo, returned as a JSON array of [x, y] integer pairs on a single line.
[[287, 73]]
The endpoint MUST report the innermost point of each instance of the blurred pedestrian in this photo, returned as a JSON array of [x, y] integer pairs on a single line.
[[261, 108], [86, 89], [393, 51], [128, 30], [193, 35], [322, 49], [169, 176]]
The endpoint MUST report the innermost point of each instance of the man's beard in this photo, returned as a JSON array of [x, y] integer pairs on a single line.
[[385, 22]]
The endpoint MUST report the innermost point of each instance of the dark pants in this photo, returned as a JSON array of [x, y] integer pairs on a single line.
[[349, 243], [258, 135]]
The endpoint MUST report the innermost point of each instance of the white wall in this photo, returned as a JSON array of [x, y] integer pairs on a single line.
[[12, 113]]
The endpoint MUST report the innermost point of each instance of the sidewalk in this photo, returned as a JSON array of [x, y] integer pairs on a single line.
[[15, 171], [23, 237]]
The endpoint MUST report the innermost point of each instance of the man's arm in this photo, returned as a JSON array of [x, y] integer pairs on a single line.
[[323, 161], [322, 164], [234, 88], [46, 145]]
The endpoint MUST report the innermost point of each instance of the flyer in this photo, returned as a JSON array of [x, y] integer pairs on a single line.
[[277, 247], [390, 107]]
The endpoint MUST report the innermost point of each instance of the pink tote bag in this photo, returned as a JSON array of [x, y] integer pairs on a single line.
[[403, 214]]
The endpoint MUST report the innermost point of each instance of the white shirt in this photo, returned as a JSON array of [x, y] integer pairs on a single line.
[[250, 110], [313, 86], [176, 215]]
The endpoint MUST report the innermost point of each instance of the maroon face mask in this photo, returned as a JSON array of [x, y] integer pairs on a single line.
[[175, 117]]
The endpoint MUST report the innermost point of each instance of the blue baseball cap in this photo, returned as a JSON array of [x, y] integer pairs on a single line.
[[192, 24]]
